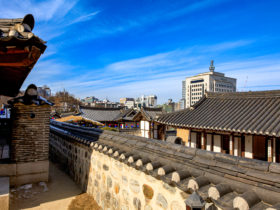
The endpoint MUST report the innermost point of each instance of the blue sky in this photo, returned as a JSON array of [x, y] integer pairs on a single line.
[[113, 49]]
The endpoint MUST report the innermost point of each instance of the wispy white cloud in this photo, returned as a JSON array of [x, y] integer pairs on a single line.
[[52, 17], [84, 17], [160, 74], [43, 11], [226, 46], [109, 26]]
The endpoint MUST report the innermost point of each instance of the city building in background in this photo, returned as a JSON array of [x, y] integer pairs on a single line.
[[146, 101], [95, 102], [44, 91], [169, 106], [127, 102], [89, 100], [193, 88]]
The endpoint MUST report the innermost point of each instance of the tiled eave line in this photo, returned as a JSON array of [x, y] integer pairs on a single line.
[[128, 149], [219, 129]]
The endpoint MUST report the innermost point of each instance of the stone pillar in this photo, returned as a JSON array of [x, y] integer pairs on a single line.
[[274, 150], [269, 150], [231, 145]]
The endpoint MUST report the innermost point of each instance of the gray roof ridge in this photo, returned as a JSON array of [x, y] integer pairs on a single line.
[[100, 108], [251, 94]]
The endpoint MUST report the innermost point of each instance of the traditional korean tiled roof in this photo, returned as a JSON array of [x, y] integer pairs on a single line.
[[73, 118], [255, 112], [19, 32], [101, 114], [20, 49], [126, 114], [149, 114]]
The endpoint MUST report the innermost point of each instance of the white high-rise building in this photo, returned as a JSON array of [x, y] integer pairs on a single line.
[[193, 88]]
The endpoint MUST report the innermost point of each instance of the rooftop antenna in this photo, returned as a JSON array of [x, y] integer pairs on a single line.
[[212, 67]]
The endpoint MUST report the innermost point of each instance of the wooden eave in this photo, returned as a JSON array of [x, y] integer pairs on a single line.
[[15, 65]]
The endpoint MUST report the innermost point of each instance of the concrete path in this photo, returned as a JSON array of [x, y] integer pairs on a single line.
[[57, 194]]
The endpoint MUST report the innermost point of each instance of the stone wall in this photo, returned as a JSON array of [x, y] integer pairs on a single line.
[[131, 131], [129, 172], [112, 183]]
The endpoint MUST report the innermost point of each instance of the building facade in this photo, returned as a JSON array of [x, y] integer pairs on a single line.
[[244, 124], [195, 87], [149, 128], [146, 101], [127, 102], [44, 91]]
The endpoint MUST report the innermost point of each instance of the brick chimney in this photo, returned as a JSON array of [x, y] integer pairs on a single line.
[[30, 133]]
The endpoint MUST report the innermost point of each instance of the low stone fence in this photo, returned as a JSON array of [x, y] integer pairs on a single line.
[[131, 131], [126, 172]]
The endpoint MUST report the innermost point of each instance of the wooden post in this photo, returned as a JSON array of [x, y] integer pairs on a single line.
[[189, 138], [235, 148], [150, 130], [203, 140], [274, 150], [269, 151], [231, 148], [212, 142]]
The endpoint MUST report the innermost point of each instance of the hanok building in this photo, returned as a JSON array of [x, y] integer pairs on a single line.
[[148, 125], [245, 124], [111, 117], [125, 119], [107, 116]]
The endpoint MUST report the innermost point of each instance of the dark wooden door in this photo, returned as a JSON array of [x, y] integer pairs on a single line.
[[198, 140], [242, 146], [277, 150], [259, 148], [225, 144]]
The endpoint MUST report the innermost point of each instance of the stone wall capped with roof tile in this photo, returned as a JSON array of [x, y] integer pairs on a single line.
[[113, 183], [121, 170]]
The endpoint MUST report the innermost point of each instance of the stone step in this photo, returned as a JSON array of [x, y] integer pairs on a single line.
[[4, 193]]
